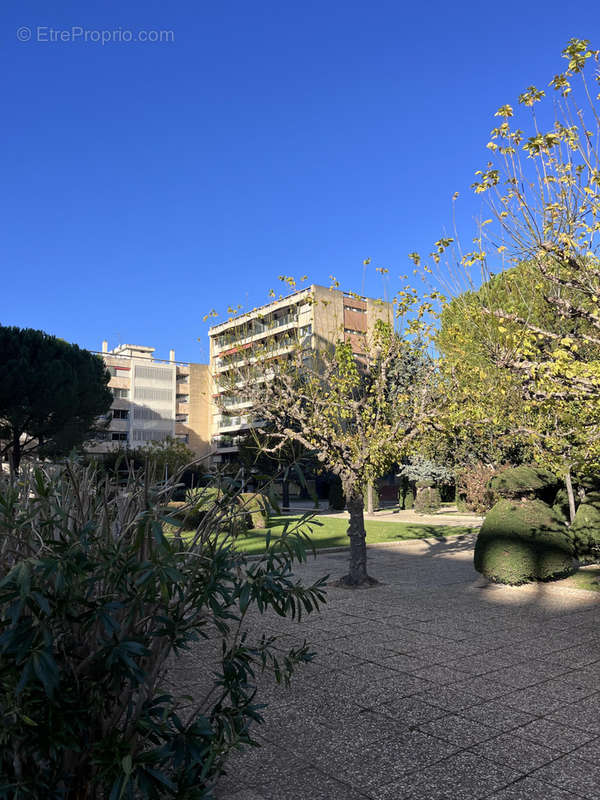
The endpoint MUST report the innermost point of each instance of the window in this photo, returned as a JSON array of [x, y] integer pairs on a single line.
[[183, 379], [182, 418], [122, 394], [355, 308], [120, 413], [355, 333], [306, 330], [183, 398], [182, 437], [119, 437]]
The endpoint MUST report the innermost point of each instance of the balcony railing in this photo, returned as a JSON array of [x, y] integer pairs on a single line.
[[256, 328]]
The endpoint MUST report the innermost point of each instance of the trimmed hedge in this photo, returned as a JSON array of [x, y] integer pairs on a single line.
[[586, 532], [428, 500], [526, 481], [256, 507], [523, 541]]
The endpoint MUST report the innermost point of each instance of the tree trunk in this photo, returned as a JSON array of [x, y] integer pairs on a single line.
[[285, 495], [357, 576], [15, 455], [370, 497], [570, 495]]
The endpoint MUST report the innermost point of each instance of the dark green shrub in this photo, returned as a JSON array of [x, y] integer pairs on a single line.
[[337, 501], [585, 531], [526, 481], [406, 498], [95, 605], [561, 504], [256, 507], [428, 500], [521, 541]]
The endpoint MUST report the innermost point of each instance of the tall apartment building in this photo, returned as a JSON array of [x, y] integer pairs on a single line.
[[315, 316], [154, 399]]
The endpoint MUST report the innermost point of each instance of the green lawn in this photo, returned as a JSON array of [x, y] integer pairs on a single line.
[[331, 532], [584, 578]]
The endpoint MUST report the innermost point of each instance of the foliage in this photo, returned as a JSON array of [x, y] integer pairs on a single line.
[[420, 468], [542, 347], [585, 531], [256, 506], [95, 603], [523, 541], [51, 394], [473, 491], [428, 500], [525, 481]]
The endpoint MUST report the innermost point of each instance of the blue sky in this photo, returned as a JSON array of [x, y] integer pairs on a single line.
[[146, 183]]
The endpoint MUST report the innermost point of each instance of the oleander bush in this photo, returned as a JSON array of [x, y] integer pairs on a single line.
[[95, 604], [523, 540]]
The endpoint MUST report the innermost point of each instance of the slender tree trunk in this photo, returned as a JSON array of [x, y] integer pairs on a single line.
[[15, 455], [370, 497], [285, 494], [570, 495], [357, 576]]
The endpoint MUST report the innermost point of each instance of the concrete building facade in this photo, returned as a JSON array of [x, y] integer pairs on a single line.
[[154, 399], [313, 318]]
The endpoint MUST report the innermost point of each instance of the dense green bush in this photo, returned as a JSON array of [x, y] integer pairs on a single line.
[[337, 501], [406, 498], [95, 604], [526, 481], [521, 541], [473, 492], [256, 507], [428, 500], [585, 531]]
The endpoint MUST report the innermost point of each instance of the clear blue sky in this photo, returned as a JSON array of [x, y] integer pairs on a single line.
[[145, 183]]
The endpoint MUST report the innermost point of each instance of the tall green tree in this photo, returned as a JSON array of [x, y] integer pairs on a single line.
[[51, 394], [358, 417]]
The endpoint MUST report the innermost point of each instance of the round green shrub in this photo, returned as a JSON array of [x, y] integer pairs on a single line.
[[256, 508], [585, 531], [523, 541], [526, 481], [561, 504], [406, 498], [428, 500]]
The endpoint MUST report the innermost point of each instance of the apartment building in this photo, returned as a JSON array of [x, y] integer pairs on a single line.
[[314, 317], [154, 399]]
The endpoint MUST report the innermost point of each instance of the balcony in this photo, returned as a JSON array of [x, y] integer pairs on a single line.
[[257, 330]]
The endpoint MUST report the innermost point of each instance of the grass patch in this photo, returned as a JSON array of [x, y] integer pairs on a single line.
[[585, 578], [331, 532]]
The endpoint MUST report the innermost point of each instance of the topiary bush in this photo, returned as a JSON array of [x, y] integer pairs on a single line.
[[526, 481], [406, 498], [256, 507], [428, 499], [523, 541], [337, 501], [96, 603], [585, 531]]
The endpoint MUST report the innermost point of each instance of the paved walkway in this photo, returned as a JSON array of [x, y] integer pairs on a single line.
[[432, 685]]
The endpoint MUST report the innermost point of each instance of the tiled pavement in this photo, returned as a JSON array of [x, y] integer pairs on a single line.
[[432, 685]]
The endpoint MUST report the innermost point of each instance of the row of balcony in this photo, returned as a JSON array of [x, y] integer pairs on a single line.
[[254, 328]]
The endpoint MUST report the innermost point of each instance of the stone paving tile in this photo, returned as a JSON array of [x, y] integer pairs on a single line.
[[437, 673], [496, 714], [405, 663], [312, 784], [485, 686], [572, 774], [589, 751], [461, 777], [531, 789], [528, 674], [520, 754], [412, 711], [392, 759], [480, 665], [558, 737], [450, 699], [459, 730]]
